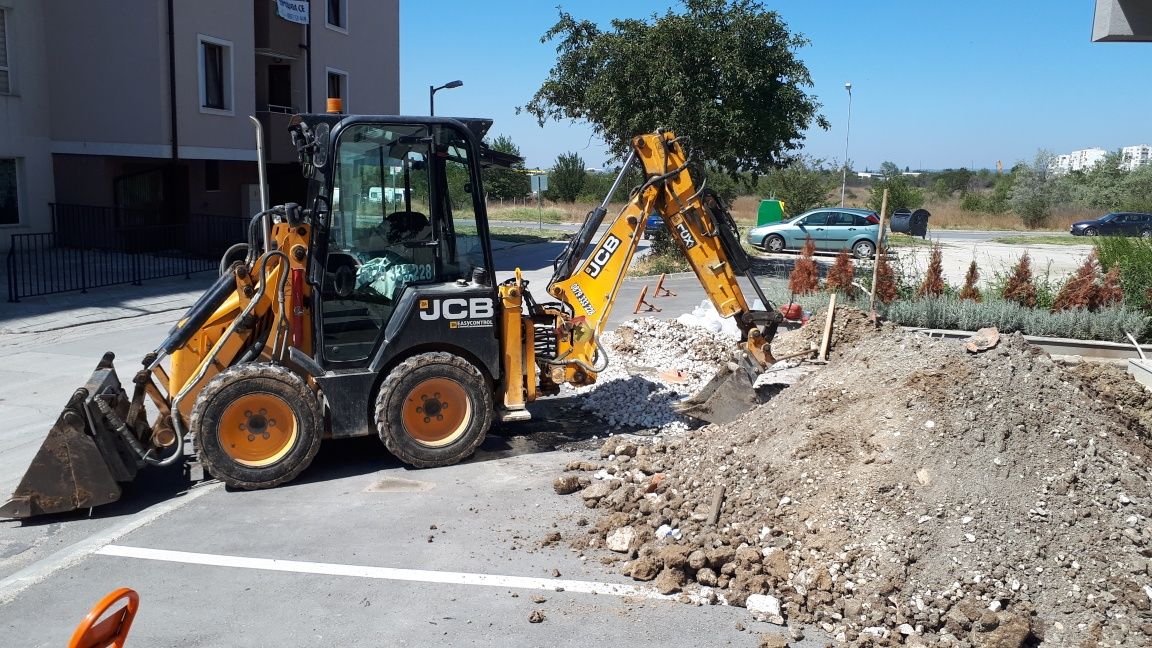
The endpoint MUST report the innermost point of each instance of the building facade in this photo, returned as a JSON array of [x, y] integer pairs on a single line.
[[1081, 160], [1132, 157], [142, 106]]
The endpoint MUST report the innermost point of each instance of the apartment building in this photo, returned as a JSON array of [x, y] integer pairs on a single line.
[[142, 106], [1081, 160], [1132, 157]]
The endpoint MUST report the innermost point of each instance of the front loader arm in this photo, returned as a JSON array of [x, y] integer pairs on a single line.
[[699, 227]]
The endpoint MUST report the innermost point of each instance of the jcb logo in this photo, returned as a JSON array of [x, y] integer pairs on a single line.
[[602, 256], [456, 309], [685, 235]]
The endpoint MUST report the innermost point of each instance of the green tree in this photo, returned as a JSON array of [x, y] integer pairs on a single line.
[[802, 185], [506, 183], [566, 179], [902, 194], [1034, 190], [723, 72]]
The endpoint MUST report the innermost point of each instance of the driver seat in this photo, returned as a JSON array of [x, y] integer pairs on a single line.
[[406, 225]]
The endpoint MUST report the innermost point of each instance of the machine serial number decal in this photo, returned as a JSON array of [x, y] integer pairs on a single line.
[[476, 312], [583, 299], [603, 256], [685, 235]]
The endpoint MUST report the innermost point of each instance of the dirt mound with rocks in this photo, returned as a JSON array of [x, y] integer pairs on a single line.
[[1112, 385], [848, 327], [909, 493]]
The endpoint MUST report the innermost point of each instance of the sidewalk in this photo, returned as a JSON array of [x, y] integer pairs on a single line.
[[66, 310]]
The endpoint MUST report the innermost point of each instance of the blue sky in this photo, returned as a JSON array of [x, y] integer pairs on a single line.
[[935, 84]]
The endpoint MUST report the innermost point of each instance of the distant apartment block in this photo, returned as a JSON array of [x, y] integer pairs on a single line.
[[1132, 157], [1081, 160], [143, 105]]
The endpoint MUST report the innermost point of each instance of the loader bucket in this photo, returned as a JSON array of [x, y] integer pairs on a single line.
[[81, 461]]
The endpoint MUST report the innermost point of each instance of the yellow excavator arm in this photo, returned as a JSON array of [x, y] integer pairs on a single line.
[[588, 277]]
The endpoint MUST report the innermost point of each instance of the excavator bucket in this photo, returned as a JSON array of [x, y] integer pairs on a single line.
[[729, 394], [81, 461]]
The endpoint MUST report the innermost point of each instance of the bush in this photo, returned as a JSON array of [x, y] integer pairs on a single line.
[[1081, 290], [885, 288], [970, 291], [1132, 258], [948, 312], [841, 275], [933, 284], [805, 277], [1019, 287]]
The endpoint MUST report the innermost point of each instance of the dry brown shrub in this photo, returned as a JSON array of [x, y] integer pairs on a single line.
[[1110, 292], [1020, 288], [1080, 291], [933, 285], [805, 277], [885, 289], [841, 275], [970, 291]]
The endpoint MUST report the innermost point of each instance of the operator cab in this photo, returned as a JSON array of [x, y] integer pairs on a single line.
[[400, 228]]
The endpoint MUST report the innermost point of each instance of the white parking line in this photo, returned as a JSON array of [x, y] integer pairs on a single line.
[[384, 573], [72, 554]]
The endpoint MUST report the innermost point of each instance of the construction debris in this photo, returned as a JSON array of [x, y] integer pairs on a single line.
[[909, 492]]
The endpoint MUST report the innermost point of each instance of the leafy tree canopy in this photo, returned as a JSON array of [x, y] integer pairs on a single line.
[[566, 180], [723, 72], [506, 183]]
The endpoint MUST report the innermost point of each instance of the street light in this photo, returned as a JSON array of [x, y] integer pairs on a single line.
[[432, 94], [847, 132]]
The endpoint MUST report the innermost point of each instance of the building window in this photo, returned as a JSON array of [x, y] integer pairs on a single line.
[[338, 14], [211, 175], [5, 80], [9, 193], [215, 75], [338, 87]]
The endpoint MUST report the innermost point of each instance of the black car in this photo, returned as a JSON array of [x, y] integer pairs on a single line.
[[1115, 224]]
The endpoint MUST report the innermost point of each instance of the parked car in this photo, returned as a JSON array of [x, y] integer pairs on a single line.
[[654, 224], [830, 228], [1115, 224]]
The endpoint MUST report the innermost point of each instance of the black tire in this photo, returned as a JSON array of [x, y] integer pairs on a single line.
[[773, 243], [1090, 231], [441, 429], [864, 249], [256, 393], [1146, 234]]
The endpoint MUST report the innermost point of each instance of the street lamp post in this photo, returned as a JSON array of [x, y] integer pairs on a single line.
[[432, 94], [847, 132]]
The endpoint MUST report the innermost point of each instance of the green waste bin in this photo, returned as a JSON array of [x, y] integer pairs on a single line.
[[770, 211]]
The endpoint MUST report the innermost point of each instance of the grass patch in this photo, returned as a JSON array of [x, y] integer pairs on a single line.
[[520, 234], [1042, 240], [904, 241], [529, 214], [655, 264]]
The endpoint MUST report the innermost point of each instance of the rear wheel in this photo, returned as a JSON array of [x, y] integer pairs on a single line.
[[864, 249], [433, 410], [257, 425], [1146, 233], [774, 244]]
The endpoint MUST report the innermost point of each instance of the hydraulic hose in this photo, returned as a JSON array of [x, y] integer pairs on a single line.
[[121, 428]]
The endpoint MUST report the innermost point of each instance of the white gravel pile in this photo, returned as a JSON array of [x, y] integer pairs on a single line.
[[652, 365]]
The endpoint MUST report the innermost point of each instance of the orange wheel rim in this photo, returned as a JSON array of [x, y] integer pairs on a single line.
[[436, 412], [257, 429]]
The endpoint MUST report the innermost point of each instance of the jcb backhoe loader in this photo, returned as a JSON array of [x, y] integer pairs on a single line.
[[374, 310]]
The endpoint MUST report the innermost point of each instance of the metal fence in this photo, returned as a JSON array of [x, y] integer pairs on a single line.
[[91, 247]]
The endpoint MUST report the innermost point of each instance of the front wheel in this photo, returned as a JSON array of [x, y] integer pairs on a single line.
[[1091, 231], [1146, 234], [774, 244], [864, 249], [433, 410], [256, 425]]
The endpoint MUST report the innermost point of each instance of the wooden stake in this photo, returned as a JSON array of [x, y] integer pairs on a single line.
[[876, 264], [827, 339], [648, 306], [717, 504], [660, 290]]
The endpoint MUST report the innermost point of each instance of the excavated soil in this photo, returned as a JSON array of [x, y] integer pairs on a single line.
[[1113, 385], [908, 493]]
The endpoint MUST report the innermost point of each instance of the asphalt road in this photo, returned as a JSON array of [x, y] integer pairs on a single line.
[[358, 551]]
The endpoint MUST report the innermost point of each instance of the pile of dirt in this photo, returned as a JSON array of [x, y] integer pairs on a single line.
[[849, 326], [1112, 385], [908, 493]]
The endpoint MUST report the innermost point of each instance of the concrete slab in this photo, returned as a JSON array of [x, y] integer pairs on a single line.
[[1141, 370]]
